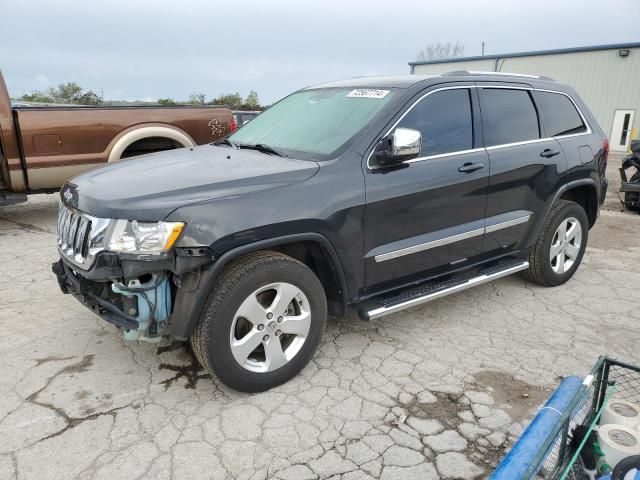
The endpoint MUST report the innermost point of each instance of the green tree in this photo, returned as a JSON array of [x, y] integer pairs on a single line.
[[87, 98], [197, 98], [69, 92], [166, 101], [66, 92], [231, 99], [38, 97], [252, 101]]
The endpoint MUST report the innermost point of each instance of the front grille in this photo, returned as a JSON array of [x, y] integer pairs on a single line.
[[74, 229]]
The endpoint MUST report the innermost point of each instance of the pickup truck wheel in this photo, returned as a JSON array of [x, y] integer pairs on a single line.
[[560, 247], [262, 322]]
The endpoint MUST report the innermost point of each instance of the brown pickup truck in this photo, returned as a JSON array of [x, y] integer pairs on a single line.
[[40, 147]]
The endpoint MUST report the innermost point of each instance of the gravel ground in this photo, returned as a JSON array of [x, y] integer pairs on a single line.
[[439, 391]]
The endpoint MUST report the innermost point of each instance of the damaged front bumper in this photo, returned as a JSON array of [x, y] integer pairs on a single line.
[[146, 298]]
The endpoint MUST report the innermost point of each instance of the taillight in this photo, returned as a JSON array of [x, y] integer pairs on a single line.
[[233, 127]]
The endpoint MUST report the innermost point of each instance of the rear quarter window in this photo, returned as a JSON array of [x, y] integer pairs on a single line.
[[559, 114], [508, 116]]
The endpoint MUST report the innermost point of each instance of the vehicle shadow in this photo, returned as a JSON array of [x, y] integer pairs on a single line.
[[36, 215]]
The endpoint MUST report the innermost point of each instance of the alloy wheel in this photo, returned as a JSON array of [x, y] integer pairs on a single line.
[[565, 246], [270, 327]]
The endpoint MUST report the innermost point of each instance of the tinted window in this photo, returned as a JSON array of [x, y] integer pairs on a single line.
[[508, 116], [560, 115], [444, 119]]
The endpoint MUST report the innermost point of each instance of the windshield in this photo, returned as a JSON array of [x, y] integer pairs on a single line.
[[314, 122]]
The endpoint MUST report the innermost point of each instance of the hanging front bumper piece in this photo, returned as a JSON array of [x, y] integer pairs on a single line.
[[141, 308]]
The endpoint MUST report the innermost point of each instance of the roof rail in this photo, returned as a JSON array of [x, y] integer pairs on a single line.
[[459, 73]]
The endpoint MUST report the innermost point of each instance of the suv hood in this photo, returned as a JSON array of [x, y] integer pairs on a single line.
[[150, 187]]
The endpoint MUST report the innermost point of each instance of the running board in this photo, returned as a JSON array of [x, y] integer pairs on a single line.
[[424, 294]]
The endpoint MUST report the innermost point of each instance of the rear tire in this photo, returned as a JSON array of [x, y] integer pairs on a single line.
[[250, 334], [555, 257]]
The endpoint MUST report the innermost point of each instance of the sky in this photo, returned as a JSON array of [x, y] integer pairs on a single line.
[[149, 49]]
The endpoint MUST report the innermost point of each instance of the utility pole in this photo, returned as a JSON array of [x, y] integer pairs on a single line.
[[483, 49]]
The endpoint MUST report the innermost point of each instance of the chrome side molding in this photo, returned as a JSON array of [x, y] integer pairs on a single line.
[[426, 246], [507, 224], [452, 239], [472, 282]]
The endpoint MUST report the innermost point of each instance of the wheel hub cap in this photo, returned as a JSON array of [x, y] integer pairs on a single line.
[[270, 327]]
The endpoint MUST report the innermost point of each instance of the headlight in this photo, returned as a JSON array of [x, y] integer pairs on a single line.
[[131, 236]]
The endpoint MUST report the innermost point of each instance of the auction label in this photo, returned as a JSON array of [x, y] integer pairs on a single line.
[[368, 93]]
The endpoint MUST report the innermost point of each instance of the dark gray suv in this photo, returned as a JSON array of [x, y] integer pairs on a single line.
[[371, 195]]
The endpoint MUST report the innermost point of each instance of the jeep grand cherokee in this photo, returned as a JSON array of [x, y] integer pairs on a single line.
[[370, 194]]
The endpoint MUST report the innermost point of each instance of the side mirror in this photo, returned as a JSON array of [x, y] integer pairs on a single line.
[[635, 146], [400, 145]]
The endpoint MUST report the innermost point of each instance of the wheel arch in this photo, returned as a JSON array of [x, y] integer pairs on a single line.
[[312, 249], [586, 196], [148, 130], [584, 189]]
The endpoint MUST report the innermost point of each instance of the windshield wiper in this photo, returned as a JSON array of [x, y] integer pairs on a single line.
[[226, 141], [261, 147]]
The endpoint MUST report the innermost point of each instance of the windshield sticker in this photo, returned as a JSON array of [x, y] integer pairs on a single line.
[[368, 93]]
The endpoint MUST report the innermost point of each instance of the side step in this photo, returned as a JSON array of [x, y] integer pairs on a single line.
[[10, 198], [425, 293]]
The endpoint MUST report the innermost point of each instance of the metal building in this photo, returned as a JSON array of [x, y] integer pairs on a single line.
[[607, 77]]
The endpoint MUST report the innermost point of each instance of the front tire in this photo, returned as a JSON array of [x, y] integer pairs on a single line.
[[262, 322], [557, 253]]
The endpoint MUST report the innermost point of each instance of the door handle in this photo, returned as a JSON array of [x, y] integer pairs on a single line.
[[470, 167], [548, 153]]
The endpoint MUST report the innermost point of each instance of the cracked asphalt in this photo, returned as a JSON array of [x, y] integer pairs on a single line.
[[439, 391]]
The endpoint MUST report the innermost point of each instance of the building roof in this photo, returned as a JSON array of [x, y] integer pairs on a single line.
[[612, 46]]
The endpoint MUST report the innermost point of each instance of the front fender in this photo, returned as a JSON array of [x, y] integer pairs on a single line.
[[196, 286]]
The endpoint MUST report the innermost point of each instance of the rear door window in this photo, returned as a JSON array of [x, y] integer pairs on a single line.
[[508, 116], [444, 119], [559, 114]]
